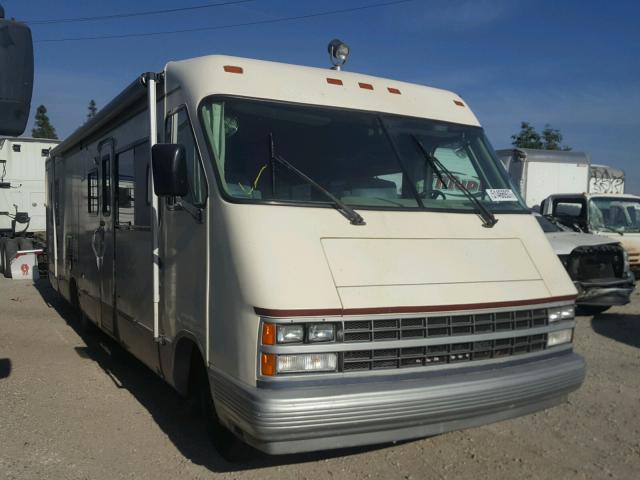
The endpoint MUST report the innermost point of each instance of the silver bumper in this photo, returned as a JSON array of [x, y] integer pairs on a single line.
[[288, 420], [605, 293]]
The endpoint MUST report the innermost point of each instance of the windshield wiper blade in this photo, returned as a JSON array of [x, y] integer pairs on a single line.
[[354, 217], [488, 219]]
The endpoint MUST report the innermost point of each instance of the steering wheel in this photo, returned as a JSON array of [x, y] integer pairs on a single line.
[[437, 193]]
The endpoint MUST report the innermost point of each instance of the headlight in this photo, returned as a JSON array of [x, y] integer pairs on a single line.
[[321, 332], [309, 362], [559, 337], [561, 313], [290, 333]]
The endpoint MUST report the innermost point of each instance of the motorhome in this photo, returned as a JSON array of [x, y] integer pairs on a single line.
[[22, 196], [295, 247]]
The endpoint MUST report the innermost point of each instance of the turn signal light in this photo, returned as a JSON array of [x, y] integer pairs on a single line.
[[268, 334], [268, 364]]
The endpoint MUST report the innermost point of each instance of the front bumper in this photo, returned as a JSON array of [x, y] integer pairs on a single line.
[[604, 293], [392, 408]]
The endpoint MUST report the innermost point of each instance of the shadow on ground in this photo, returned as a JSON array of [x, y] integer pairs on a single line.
[[5, 367], [168, 409], [624, 328]]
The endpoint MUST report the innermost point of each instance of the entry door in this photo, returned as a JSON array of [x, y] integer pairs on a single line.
[[104, 237], [184, 244]]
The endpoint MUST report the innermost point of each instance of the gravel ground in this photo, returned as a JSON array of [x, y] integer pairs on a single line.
[[74, 406]]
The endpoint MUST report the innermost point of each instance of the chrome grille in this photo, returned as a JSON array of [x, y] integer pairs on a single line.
[[390, 358], [441, 325]]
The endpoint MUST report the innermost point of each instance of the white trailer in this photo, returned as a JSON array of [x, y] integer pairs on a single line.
[[22, 196], [300, 255], [540, 173]]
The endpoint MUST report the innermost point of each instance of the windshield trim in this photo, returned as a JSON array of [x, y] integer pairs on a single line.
[[293, 203]]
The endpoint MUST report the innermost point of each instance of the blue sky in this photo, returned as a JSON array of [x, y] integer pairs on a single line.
[[572, 64]]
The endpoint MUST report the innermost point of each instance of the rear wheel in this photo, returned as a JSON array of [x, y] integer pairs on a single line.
[[230, 447], [591, 309]]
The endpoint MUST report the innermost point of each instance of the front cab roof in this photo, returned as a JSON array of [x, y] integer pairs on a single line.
[[218, 74]]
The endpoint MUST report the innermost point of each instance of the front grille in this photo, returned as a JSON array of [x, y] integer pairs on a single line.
[[390, 358], [595, 263], [441, 326]]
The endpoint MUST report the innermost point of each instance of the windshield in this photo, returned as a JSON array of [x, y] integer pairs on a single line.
[[364, 159], [618, 214]]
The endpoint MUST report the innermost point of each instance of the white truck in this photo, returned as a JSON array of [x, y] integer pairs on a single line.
[[22, 196], [540, 173]]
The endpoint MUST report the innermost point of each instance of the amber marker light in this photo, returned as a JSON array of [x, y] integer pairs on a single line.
[[268, 364], [233, 69], [268, 334]]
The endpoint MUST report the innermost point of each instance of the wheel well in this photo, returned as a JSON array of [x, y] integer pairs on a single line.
[[187, 359]]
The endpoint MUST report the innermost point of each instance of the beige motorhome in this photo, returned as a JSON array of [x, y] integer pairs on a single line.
[[323, 258]]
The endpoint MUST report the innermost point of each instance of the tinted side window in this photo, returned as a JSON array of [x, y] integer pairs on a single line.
[[183, 134], [92, 191]]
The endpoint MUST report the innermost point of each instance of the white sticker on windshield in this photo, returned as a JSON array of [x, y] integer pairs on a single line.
[[501, 195]]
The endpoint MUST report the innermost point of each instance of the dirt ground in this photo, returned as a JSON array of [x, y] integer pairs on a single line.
[[74, 406]]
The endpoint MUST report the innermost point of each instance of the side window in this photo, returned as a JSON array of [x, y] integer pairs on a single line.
[[132, 190], [92, 191], [182, 133], [125, 189]]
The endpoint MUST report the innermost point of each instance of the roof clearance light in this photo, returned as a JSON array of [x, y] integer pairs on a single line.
[[393, 90], [233, 69], [334, 81], [366, 86], [338, 53], [459, 103]]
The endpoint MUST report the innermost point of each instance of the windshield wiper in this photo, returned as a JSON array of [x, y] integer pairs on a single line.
[[488, 219], [351, 215]]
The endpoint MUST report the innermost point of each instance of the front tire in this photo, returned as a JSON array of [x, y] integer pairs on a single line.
[[229, 446]]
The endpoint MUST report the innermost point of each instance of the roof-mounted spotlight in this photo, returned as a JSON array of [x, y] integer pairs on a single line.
[[338, 52]]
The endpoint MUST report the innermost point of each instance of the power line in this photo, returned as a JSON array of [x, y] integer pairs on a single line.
[[233, 25], [132, 14]]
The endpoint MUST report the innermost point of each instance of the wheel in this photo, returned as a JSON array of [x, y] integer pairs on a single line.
[[10, 250], [230, 447], [591, 309]]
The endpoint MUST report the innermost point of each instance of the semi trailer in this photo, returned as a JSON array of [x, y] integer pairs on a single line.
[[22, 198], [295, 249]]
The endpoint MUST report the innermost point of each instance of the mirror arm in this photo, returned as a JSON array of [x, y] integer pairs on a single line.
[[195, 212]]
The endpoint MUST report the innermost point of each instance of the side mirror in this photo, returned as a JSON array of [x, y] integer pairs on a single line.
[[169, 170], [16, 75]]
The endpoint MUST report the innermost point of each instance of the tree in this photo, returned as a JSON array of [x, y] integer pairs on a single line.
[[43, 127], [528, 137], [552, 139], [92, 109]]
